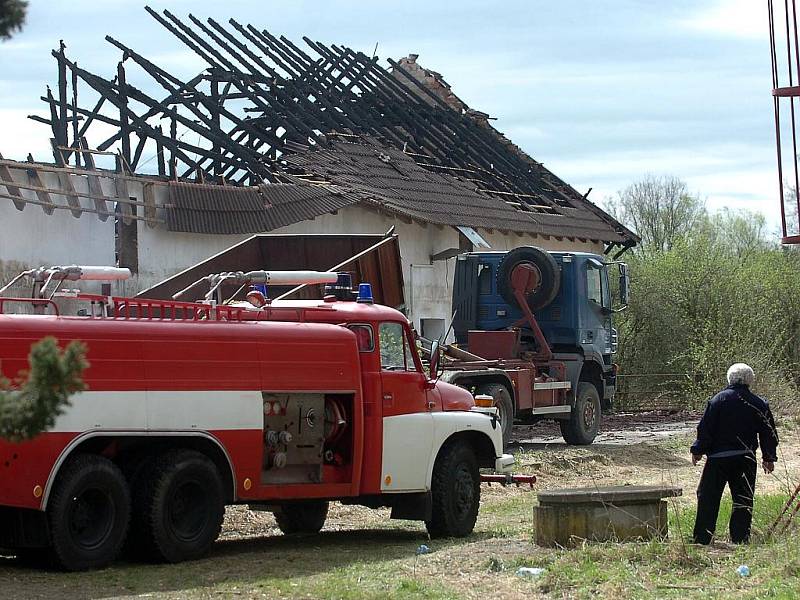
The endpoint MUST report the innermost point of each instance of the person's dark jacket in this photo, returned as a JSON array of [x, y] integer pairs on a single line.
[[736, 420]]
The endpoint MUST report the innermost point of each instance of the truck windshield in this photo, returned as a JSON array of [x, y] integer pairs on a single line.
[[395, 351]]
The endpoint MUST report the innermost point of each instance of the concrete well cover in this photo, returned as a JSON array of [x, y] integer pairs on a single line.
[[618, 494]]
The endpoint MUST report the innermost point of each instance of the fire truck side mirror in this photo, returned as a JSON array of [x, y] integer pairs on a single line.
[[434, 364]]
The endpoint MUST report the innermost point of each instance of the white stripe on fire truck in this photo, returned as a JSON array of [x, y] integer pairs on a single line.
[[143, 410]]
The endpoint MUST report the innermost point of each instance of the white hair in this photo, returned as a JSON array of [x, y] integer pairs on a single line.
[[741, 374]]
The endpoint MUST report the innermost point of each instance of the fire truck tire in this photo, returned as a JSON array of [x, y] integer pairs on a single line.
[[456, 492], [179, 507], [584, 420], [302, 517], [550, 276], [88, 513], [505, 407]]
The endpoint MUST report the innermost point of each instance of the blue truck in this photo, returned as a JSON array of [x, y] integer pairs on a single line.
[[533, 329]]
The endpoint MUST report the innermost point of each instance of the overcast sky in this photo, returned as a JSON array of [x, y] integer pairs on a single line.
[[601, 92]]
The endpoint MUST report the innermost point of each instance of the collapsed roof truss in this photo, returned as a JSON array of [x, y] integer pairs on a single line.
[[261, 97]]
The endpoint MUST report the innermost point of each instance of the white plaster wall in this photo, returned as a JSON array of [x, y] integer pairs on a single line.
[[164, 253], [30, 238]]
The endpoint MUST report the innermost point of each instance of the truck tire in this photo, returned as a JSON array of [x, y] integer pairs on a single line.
[[179, 507], [456, 492], [88, 513], [550, 276], [302, 517], [584, 420], [505, 407]]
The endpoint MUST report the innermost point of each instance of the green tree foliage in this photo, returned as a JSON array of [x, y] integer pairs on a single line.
[[12, 17], [720, 293], [31, 403], [660, 209]]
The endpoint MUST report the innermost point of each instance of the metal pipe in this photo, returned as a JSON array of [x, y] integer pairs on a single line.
[[509, 479], [791, 102], [776, 108]]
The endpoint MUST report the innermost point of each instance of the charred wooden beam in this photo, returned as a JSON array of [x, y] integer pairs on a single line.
[[124, 126]]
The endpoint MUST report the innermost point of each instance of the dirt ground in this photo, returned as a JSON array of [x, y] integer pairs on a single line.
[[361, 553], [623, 429]]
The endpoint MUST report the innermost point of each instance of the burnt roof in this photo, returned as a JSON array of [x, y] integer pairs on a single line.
[[262, 106], [392, 181], [204, 208]]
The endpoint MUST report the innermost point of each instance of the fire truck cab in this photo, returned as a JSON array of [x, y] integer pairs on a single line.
[[191, 407]]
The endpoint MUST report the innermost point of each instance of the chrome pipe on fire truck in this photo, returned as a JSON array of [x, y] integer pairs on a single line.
[[45, 275], [241, 278]]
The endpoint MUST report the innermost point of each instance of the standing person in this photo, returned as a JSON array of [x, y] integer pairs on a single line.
[[733, 425]]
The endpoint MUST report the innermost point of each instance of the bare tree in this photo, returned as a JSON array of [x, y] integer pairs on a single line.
[[742, 232], [660, 209], [12, 17]]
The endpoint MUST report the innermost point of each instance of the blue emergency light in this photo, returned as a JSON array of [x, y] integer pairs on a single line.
[[364, 293]]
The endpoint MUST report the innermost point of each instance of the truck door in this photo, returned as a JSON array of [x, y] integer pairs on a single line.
[[402, 380], [407, 419], [596, 326]]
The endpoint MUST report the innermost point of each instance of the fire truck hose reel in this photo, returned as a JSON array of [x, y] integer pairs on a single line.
[[335, 422]]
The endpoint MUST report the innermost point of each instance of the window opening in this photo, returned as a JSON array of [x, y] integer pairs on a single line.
[[364, 337], [395, 351]]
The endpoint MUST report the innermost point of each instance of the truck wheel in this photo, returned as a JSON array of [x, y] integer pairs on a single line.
[[88, 513], [549, 276], [584, 420], [505, 407], [302, 517], [179, 509], [456, 492]]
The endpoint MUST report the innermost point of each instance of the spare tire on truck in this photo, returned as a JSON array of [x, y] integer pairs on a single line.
[[545, 266]]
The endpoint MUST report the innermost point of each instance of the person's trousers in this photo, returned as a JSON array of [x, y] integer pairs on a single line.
[[739, 473]]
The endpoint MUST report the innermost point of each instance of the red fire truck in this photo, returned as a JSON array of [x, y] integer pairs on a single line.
[[192, 406]]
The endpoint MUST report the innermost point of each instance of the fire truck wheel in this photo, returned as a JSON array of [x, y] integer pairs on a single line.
[[180, 507], [543, 262], [302, 517], [505, 407], [584, 420], [456, 491], [88, 513]]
